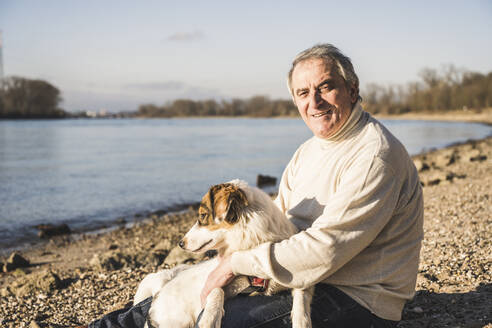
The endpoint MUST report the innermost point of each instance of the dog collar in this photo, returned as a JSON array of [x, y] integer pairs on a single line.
[[256, 285]]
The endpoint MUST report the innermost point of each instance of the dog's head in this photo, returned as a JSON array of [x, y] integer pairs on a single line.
[[220, 209]]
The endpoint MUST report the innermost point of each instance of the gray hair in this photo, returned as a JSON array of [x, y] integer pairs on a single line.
[[330, 54]]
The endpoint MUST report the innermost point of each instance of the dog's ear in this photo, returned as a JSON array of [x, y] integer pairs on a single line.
[[236, 203], [227, 202]]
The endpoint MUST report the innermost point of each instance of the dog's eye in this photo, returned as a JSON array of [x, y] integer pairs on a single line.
[[201, 218]]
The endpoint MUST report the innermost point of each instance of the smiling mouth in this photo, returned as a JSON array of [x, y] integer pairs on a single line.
[[326, 112], [201, 247]]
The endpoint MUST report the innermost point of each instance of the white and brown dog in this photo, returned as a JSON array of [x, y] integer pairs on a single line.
[[232, 216]]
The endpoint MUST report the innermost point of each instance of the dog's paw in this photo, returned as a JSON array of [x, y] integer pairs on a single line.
[[301, 307], [300, 319], [214, 309], [210, 320], [301, 322]]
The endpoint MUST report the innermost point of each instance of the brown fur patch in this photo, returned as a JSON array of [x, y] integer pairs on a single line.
[[223, 201]]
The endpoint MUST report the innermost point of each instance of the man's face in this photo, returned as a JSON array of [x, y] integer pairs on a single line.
[[322, 96]]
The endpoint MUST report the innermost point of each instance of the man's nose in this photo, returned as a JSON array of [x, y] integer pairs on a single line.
[[315, 99]]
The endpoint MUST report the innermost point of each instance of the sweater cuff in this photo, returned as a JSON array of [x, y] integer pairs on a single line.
[[242, 263], [249, 262]]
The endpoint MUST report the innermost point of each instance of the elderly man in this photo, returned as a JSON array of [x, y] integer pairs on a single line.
[[355, 194]]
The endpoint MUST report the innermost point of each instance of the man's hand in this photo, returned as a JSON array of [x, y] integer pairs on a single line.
[[218, 278]]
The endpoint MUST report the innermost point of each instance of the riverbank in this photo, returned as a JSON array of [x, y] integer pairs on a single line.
[[73, 279], [463, 115]]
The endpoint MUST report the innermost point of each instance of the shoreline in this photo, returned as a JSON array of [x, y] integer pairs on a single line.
[[126, 221], [73, 279]]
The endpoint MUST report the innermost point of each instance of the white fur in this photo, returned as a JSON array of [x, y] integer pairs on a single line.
[[176, 292]]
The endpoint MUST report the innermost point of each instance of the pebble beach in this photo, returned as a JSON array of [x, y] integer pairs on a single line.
[[75, 278]]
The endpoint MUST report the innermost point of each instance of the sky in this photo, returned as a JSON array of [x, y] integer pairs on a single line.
[[117, 55]]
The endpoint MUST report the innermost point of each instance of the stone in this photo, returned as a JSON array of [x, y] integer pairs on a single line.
[[467, 155], [265, 180], [444, 159], [14, 262], [112, 247], [34, 324], [48, 281], [420, 165], [51, 230], [108, 261], [45, 281], [115, 260], [434, 178], [4, 292], [473, 155], [479, 158], [19, 272], [450, 176]]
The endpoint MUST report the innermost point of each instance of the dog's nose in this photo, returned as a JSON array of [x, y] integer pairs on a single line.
[[181, 244]]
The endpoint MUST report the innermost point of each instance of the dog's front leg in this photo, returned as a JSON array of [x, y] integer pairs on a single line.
[[301, 307], [153, 282], [214, 310]]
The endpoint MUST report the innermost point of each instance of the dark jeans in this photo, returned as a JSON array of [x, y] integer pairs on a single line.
[[330, 308], [132, 317]]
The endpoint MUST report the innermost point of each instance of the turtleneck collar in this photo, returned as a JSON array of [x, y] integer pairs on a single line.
[[347, 128]]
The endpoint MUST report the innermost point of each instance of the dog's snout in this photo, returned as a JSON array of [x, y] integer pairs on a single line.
[[182, 243]]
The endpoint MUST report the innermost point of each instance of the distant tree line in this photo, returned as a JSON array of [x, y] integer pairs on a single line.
[[440, 90], [258, 106], [25, 98]]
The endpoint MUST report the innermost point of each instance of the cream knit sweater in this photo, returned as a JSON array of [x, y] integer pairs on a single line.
[[359, 199]]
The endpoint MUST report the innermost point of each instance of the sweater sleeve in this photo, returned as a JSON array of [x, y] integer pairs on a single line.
[[284, 189], [364, 202]]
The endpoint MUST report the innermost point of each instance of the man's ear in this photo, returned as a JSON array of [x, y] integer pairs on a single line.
[[236, 203], [354, 93]]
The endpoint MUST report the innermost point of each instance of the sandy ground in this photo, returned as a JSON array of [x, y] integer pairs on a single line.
[[74, 279]]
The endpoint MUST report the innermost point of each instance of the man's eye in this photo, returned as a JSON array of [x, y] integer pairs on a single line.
[[302, 93], [325, 88]]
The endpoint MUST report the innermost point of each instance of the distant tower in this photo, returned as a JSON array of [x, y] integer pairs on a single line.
[[1, 58]]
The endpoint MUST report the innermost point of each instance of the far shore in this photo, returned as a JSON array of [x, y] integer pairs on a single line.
[[465, 115]]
